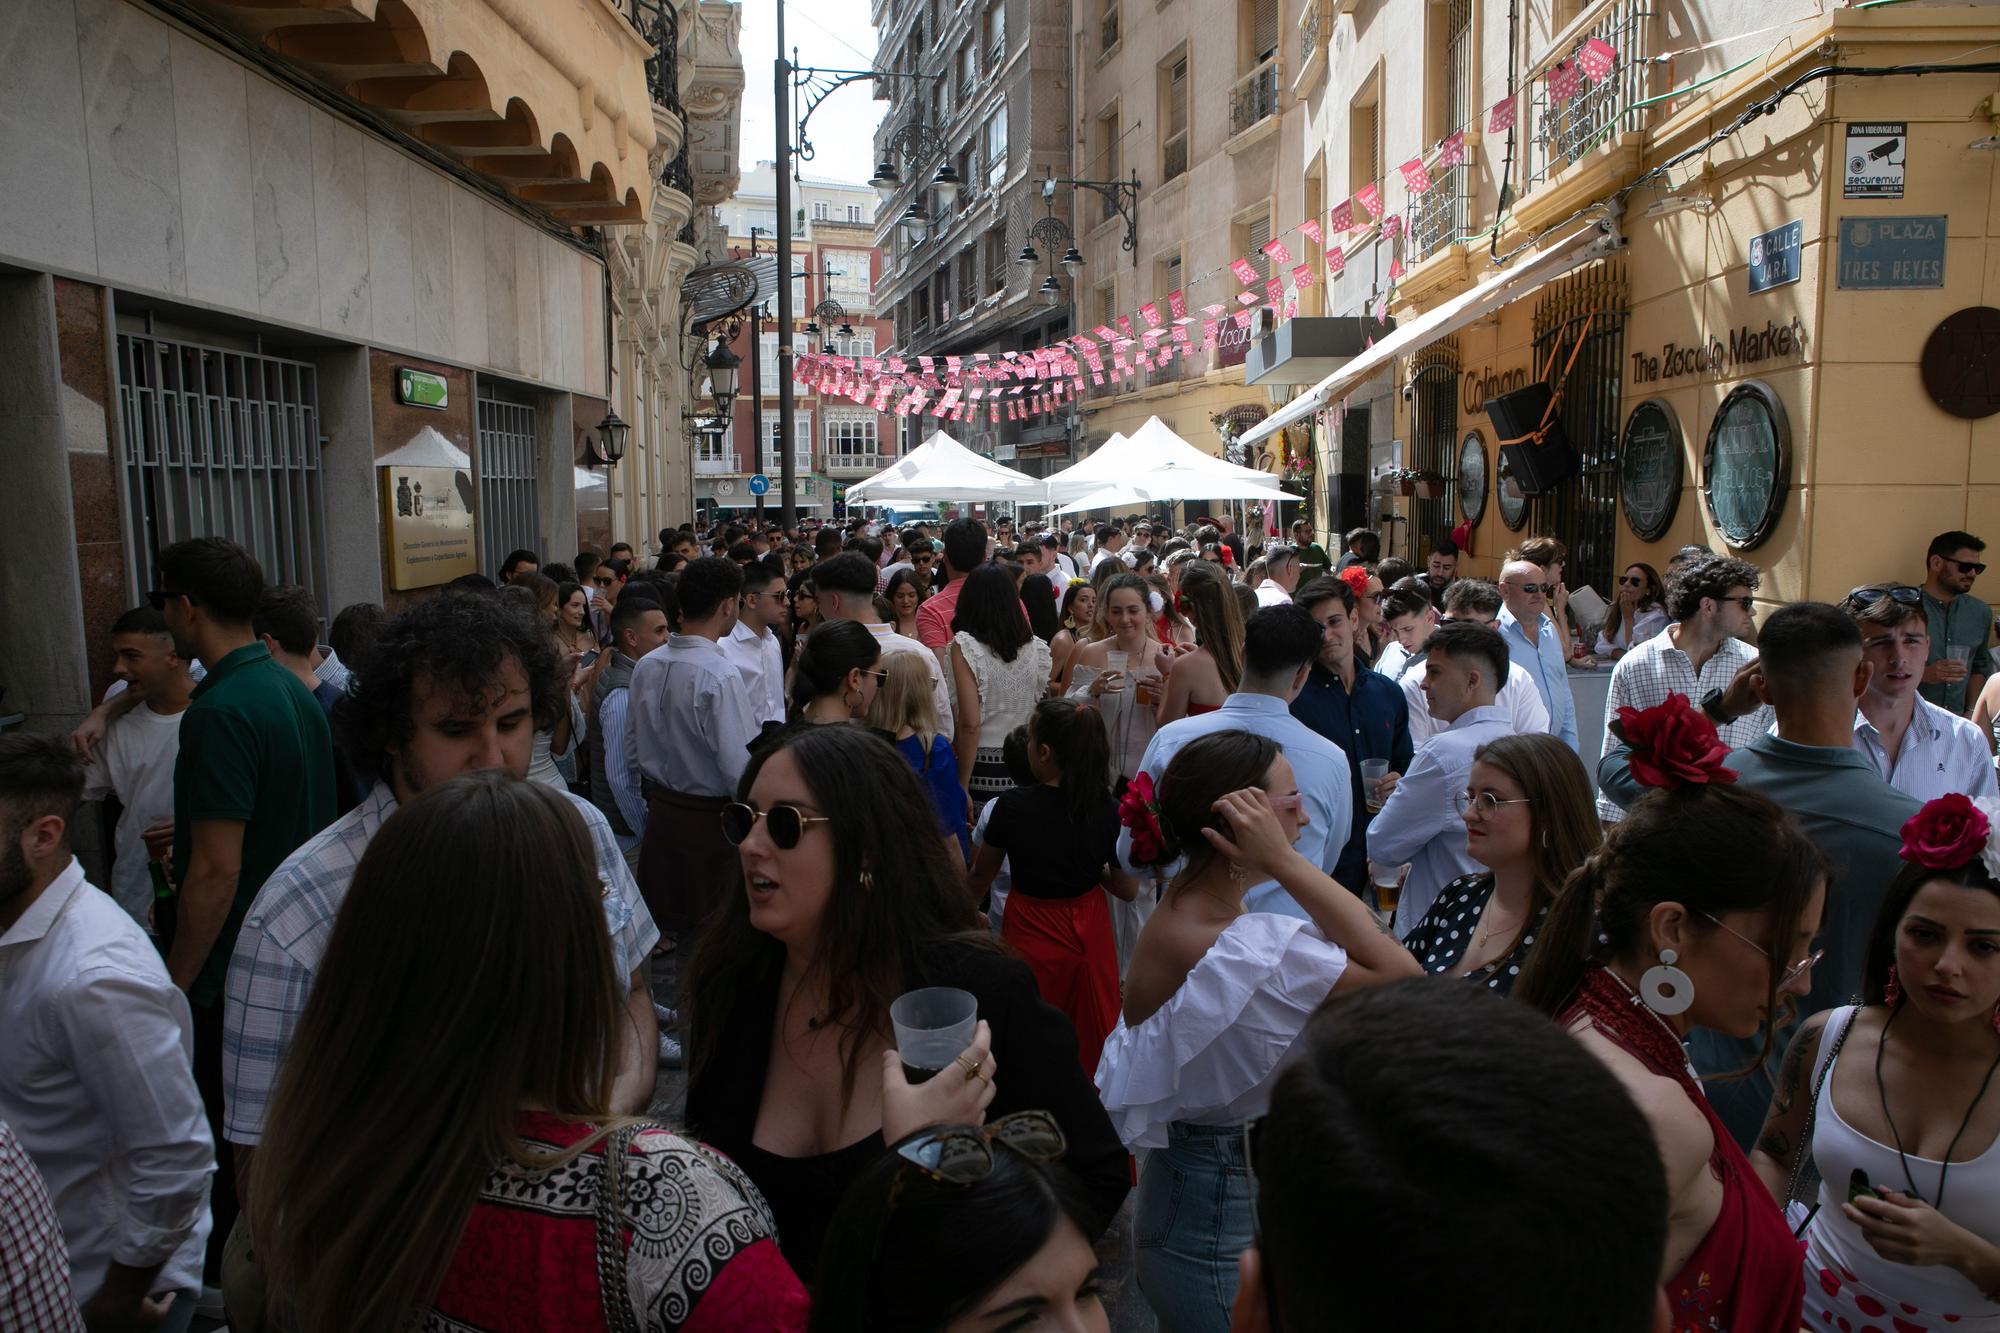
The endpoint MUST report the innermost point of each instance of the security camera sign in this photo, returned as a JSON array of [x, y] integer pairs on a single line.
[[1875, 157]]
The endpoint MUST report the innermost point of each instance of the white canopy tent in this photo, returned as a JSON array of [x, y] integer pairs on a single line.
[[943, 469], [1154, 458], [427, 448], [1172, 482]]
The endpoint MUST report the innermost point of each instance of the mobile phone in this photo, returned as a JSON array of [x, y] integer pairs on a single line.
[[584, 661], [1858, 1186]]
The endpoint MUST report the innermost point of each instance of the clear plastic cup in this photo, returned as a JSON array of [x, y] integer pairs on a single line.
[[932, 1026], [1372, 772]]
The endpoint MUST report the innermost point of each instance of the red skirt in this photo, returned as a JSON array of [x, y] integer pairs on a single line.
[[1067, 943]]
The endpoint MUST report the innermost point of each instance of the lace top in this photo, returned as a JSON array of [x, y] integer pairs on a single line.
[[1008, 691]]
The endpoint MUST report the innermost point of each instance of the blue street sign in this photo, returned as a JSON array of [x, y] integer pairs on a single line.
[[760, 485], [1774, 257], [1887, 253]]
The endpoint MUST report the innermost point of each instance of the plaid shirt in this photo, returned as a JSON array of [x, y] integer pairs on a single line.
[[1656, 668], [287, 930], [34, 1266]]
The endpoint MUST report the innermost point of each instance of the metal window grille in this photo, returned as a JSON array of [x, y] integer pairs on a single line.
[[220, 443], [1434, 438], [1583, 511], [1441, 214], [507, 486], [1563, 134]]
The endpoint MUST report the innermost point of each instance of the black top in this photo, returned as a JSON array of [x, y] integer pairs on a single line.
[[1034, 1047], [1447, 930], [1050, 854]]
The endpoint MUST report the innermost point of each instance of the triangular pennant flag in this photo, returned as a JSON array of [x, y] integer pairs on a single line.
[[1414, 176], [1501, 117], [1565, 82], [1274, 291], [1451, 153], [1597, 58], [1246, 298], [1151, 314], [1276, 249], [1370, 198], [1242, 318], [1395, 269], [1336, 260], [1177, 304], [1214, 309], [1310, 230], [1291, 307], [1125, 325], [1342, 219], [1392, 226], [1245, 271], [1302, 277]]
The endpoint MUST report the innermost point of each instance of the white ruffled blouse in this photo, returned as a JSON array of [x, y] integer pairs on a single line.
[[1209, 1055]]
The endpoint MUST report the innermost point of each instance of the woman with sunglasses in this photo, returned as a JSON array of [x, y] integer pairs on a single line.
[[1893, 1101], [792, 1067], [1636, 616], [1529, 819], [964, 1229], [452, 1172], [1697, 912], [801, 613], [1215, 997], [837, 673]]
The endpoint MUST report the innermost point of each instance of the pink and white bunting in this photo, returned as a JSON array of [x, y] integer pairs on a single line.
[[1275, 248], [1598, 57], [1414, 176], [1370, 197], [1501, 118], [1245, 271]]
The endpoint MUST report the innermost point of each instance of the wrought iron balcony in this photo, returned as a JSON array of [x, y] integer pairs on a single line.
[[1440, 215], [1560, 135], [1254, 97], [660, 26], [1174, 158]]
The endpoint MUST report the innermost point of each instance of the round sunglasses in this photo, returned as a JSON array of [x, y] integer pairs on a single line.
[[785, 823], [963, 1154]]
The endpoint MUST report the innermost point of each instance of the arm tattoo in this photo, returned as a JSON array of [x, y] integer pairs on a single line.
[[1776, 1144]]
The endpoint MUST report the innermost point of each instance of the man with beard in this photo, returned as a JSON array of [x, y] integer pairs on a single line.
[[96, 1043], [455, 684], [1960, 624]]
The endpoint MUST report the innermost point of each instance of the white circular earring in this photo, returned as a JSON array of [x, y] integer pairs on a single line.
[[1665, 988]]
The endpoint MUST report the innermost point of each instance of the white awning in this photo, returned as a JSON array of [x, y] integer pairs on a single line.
[[1501, 289]]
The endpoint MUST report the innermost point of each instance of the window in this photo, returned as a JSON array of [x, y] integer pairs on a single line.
[[802, 434], [1104, 166], [1440, 214], [850, 438], [1312, 300], [820, 210], [968, 71], [1253, 98], [847, 280], [968, 277], [996, 34], [1263, 30], [798, 286], [765, 220], [1167, 278], [1256, 233], [712, 452], [1174, 115], [1107, 303], [996, 259], [1364, 137], [767, 362], [996, 147], [857, 345], [854, 213], [1109, 26]]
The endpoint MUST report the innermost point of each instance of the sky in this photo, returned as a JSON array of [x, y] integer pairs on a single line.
[[829, 34]]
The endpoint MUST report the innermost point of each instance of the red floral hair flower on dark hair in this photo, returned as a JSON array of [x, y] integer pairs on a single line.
[[1673, 744], [1947, 833], [1355, 577], [1139, 811]]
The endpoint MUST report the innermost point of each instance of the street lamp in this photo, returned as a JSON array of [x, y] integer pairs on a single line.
[[1071, 261], [915, 221], [611, 433], [722, 363], [946, 184]]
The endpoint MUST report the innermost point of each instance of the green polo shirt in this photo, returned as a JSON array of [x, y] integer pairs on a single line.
[[1966, 622], [1313, 562], [254, 747]]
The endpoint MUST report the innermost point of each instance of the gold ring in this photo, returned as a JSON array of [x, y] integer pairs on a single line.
[[971, 1070], [975, 1074]]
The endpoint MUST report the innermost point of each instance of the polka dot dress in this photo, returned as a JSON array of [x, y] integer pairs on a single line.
[[1447, 930]]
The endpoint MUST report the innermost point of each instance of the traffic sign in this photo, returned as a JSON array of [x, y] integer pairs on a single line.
[[760, 485]]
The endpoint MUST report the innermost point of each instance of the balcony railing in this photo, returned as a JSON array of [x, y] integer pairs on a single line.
[[1174, 158], [657, 23], [844, 462], [1110, 29], [1440, 214], [1254, 97], [1309, 31], [1600, 112]]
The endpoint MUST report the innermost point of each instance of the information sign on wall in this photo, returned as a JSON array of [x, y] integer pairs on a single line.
[[1774, 257], [1875, 157], [420, 388], [1881, 254], [1746, 468], [429, 528]]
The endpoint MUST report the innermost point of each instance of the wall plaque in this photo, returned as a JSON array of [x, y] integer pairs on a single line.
[[1961, 363], [429, 530], [1746, 466], [1879, 254], [1472, 477], [1774, 257], [1650, 469]]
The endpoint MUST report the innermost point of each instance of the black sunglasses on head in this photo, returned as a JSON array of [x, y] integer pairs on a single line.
[[1870, 594], [785, 823], [963, 1155]]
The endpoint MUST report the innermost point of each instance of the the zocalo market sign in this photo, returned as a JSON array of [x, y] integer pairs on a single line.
[[1747, 346]]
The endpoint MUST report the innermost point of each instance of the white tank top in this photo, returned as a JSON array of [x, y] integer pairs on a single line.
[[1834, 1244]]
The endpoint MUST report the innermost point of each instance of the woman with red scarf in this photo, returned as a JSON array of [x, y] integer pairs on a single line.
[[1698, 911]]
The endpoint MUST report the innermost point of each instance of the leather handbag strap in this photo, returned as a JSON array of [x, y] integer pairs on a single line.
[[618, 1314]]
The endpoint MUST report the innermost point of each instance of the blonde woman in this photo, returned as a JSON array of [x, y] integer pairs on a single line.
[[905, 709]]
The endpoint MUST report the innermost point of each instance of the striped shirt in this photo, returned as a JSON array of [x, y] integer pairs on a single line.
[[1656, 668], [286, 932]]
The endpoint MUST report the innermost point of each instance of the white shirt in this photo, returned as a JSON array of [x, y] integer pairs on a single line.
[[1656, 668], [1269, 593], [1104, 555], [691, 719], [892, 642], [1941, 753], [1068, 568], [1519, 697], [96, 1077], [136, 763], [613, 720], [1394, 658], [761, 663], [1419, 823], [1325, 782]]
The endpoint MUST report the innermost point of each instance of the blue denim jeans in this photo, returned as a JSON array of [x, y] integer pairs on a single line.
[[1194, 1218]]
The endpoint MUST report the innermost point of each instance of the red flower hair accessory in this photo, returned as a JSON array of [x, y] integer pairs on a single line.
[[1947, 833], [1139, 811], [1355, 577], [1673, 744]]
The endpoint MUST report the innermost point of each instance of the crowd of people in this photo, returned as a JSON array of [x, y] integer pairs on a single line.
[[1196, 836]]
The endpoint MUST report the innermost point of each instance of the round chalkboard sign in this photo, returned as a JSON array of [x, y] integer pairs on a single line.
[[1513, 504], [1961, 363], [1650, 469], [1746, 466], [1472, 477]]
